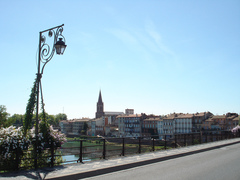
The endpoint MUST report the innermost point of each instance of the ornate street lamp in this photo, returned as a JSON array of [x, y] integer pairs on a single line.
[[45, 54], [60, 46]]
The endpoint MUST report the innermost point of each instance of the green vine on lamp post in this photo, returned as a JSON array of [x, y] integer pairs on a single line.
[[44, 126], [27, 123], [28, 120]]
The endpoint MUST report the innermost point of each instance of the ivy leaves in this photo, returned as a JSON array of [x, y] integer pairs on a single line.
[[27, 123]]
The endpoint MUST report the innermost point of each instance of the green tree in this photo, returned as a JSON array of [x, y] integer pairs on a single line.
[[17, 119], [59, 117], [54, 119], [51, 119], [4, 117], [85, 128]]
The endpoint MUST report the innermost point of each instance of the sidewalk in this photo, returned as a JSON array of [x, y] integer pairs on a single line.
[[89, 169]]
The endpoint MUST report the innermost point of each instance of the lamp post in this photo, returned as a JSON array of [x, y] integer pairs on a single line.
[[45, 54]]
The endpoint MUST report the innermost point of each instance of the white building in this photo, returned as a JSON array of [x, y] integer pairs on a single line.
[[96, 126], [168, 125], [130, 125], [65, 126], [78, 125], [183, 123], [160, 128], [73, 127], [111, 117]]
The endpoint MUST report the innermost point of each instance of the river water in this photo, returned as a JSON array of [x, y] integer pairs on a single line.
[[72, 158]]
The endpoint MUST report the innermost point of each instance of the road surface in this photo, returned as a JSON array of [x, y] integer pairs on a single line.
[[219, 164]]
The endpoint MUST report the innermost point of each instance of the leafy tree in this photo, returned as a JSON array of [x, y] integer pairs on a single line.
[[85, 128], [17, 119], [59, 117], [4, 117], [54, 119], [51, 119]]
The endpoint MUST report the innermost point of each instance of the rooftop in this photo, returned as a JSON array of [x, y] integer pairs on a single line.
[[79, 120], [152, 119], [219, 116], [113, 113], [185, 116], [236, 118], [129, 115]]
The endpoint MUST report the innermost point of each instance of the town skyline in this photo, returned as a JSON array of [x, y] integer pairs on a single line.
[[100, 111], [155, 57], [124, 110]]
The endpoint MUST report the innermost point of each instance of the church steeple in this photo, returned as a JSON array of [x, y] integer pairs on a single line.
[[100, 97], [100, 111]]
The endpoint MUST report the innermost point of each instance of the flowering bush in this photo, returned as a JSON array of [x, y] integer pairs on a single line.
[[13, 143], [48, 135], [236, 129], [57, 137], [12, 138]]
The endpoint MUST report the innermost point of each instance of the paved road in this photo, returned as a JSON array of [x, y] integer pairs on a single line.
[[219, 164]]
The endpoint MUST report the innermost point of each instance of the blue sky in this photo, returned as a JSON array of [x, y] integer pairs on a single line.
[[153, 56]]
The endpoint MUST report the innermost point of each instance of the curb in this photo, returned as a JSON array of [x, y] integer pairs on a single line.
[[136, 164]]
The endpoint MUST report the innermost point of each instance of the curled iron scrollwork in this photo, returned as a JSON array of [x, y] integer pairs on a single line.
[[47, 51]]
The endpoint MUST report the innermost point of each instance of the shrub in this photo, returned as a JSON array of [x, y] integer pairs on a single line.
[[14, 143]]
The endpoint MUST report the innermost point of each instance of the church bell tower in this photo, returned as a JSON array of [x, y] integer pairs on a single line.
[[100, 111]]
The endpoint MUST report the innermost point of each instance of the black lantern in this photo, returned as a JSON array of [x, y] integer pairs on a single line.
[[60, 46]]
